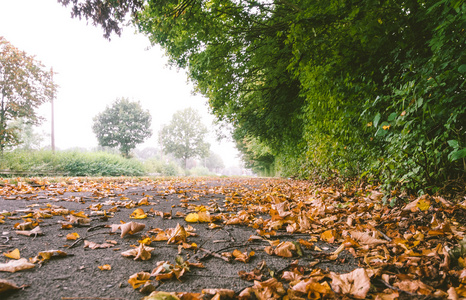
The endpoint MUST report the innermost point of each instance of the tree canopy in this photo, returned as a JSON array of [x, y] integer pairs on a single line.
[[124, 124], [184, 136], [373, 89], [24, 86]]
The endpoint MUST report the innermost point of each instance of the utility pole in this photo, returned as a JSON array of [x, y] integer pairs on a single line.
[[53, 121]]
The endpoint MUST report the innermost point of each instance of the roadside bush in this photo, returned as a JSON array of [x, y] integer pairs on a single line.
[[199, 171], [70, 164], [157, 166]]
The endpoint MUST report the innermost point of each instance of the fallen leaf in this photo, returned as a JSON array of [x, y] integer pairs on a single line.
[[192, 218], [138, 214], [178, 234], [242, 256], [138, 279], [355, 283], [6, 285], [13, 254], [105, 267], [366, 238], [46, 255], [72, 236], [143, 252], [219, 293], [16, 265], [161, 296], [128, 228], [34, 232], [93, 245]]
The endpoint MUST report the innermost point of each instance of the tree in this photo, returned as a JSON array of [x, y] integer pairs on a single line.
[[184, 136], [214, 162], [24, 86], [329, 88], [124, 125], [29, 139]]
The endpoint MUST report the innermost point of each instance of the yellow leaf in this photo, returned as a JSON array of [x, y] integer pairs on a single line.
[[72, 236], [423, 204], [13, 254], [204, 217], [200, 208], [192, 218], [138, 279], [328, 236], [145, 241], [138, 214], [105, 267]]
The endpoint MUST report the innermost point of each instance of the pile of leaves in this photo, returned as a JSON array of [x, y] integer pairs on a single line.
[[415, 249]]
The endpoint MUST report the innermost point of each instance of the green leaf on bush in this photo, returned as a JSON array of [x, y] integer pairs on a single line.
[[457, 154], [376, 120], [462, 68]]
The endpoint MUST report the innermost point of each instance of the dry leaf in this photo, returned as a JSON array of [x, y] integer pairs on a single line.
[[142, 252], [72, 236], [192, 218], [46, 255], [161, 296], [355, 283], [177, 234], [138, 214], [6, 285], [36, 231], [128, 228], [92, 245], [138, 279], [105, 267], [242, 256], [13, 254], [366, 238], [16, 265], [220, 293]]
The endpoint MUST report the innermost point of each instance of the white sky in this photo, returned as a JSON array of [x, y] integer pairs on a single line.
[[93, 72]]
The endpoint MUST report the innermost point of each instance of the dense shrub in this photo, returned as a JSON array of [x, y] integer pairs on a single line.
[[158, 167], [70, 164]]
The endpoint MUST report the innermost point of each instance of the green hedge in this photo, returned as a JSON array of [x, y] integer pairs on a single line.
[[70, 164]]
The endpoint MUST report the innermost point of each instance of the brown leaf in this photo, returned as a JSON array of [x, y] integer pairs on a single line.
[[6, 285], [366, 238], [355, 283], [93, 245], [142, 252], [46, 255], [128, 228], [34, 232], [177, 234], [16, 265], [138, 279]]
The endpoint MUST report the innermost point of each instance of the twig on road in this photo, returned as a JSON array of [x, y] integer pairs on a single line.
[[215, 254]]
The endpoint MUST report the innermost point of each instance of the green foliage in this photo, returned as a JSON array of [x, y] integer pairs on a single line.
[[70, 163], [124, 125], [184, 136], [24, 86], [199, 171], [156, 166], [214, 162], [329, 88]]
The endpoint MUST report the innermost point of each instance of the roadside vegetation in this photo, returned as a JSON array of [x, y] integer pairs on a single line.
[[72, 163]]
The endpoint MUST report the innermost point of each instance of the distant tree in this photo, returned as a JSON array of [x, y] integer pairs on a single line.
[[28, 138], [124, 125], [214, 162], [24, 86], [184, 136]]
